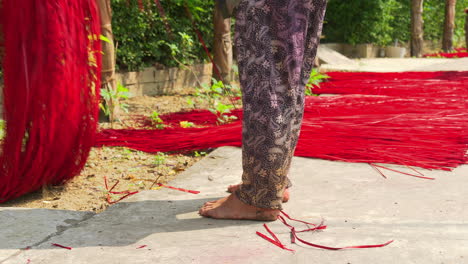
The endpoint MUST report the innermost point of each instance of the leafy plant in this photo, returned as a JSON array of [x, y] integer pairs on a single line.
[[200, 154], [112, 96], [160, 158], [186, 124], [360, 21], [213, 95], [314, 80], [143, 38], [2, 128], [156, 121], [385, 21]]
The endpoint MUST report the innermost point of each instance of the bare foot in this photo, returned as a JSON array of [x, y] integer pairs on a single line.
[[232, 208], [233, 188]]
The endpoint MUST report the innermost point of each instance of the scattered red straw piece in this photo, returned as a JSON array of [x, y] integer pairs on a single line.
[[109, 192], [413, 169], [409, 174], [300, 221], [60, 246], [275, 240], [378, 170], [293, 232], [120, 199], [142, 246], [178, 189]]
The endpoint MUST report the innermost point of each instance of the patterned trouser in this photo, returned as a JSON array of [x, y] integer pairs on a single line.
[[276, 42]]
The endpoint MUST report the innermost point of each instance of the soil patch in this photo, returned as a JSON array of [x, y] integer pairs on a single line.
[[134, 170]]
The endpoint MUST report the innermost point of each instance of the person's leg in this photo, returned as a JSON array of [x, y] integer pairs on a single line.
[[222, 46], [276, 43], [108, 80]]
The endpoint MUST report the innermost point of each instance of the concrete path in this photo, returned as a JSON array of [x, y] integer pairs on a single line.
[[327, 55], [397, 65], [427, 219]]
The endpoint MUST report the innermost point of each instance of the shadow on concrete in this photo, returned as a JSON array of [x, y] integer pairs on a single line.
[[125, 223]]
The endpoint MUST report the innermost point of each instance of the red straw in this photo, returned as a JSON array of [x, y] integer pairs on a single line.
[[409, 174], [109, 192], [294, 236], [60, 246], [178, 189]]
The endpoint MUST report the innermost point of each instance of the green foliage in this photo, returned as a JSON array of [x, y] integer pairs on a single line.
[[156, 121], [200, 154], [360, 21], [110, 96], [186, 124], [314, 80], [384, 21], [213, 95], [434, 13], [160, 158], [142, 39], [2, 128]]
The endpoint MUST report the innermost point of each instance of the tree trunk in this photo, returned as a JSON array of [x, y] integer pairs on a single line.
[[417, 41], [222, 46], [466, 28], [449, 25]]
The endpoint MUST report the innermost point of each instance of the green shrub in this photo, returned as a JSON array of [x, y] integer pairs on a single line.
[[434, 13], [384, 21], [360, 21], [141, 36]]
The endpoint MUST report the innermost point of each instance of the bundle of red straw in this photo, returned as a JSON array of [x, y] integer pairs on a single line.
[[421, 84], [458, 53], [52, 72], [429, 132]]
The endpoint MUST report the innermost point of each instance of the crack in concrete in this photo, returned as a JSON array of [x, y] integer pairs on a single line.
[[60, 230]]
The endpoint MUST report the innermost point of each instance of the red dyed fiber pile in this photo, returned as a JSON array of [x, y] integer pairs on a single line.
[[458, 53], [410, 127], [51, 72], [419, 84]]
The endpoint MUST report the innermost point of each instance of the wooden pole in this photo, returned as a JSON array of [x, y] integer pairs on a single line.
[[466, 28], [417, 33]]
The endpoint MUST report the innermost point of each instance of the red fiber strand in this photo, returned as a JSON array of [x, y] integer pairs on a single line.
[[60, 246], [140, 5], [164, 18], [420, 84], [178, 189], [458, 53], [415, 128], [109, 192], [378, 170], [295, 237], [275, 241], [409, 174], [51, 91]]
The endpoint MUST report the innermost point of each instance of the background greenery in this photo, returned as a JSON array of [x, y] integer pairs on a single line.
[[142, 39], [384, 21]]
